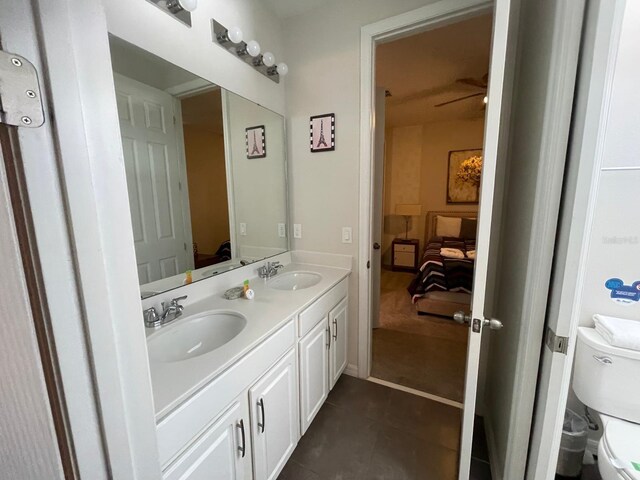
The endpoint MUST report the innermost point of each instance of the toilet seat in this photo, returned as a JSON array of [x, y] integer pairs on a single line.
[[619, 451]]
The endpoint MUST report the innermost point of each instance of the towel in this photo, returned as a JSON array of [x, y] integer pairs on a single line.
[[619, 332], [451, 253], [471, 254]]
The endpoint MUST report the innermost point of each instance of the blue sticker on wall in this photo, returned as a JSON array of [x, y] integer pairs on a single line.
[[621, 293]]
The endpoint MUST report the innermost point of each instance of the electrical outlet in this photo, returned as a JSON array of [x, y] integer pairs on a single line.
[[282, 231], [297, 230], [347, 235], [243, 229]]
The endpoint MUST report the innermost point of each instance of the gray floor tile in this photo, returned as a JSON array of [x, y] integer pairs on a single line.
[[338, 444], [295, 471], [479, 470], [364, 398]]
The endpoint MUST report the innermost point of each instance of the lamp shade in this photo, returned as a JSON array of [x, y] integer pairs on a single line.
[[409, 209]]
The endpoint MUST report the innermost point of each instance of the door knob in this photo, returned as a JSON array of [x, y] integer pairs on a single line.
[[376, 246], [461, 317]]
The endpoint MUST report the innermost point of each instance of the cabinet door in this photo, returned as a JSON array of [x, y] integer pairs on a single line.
[[314, 372], [223, 452], [274, 418], [338, 350]]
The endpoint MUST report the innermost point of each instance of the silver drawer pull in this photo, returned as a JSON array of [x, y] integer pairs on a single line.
[[603, 360]]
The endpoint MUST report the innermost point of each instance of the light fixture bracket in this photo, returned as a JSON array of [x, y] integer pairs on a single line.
[[166, 6], [220, 37]]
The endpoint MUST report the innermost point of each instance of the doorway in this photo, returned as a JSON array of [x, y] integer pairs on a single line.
[[430, 160]]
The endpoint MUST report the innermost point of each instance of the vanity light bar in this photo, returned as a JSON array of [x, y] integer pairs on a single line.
[[231, 41]]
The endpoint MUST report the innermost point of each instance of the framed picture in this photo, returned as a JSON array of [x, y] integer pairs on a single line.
[[458, 190], [322, 132], [256, 142]]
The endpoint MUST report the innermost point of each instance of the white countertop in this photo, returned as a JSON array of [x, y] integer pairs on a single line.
[[174, 382]]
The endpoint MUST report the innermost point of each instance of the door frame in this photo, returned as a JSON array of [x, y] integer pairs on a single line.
[[432, 16], [75, 181]]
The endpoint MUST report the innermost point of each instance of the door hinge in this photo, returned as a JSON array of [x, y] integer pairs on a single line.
[[20, 101], [556, 343], [368, 263]]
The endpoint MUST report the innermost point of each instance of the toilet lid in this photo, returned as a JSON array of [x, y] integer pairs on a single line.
[[623, 444]]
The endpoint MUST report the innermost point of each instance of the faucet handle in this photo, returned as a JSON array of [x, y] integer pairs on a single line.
[[175, 301], [151, 317]]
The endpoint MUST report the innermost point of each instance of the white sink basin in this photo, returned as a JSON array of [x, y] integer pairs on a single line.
[[195, 336], [294, 280]]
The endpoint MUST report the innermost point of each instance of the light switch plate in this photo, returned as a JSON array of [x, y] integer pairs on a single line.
[[297, 230], [347, 235], [243, 229], [282, 231]]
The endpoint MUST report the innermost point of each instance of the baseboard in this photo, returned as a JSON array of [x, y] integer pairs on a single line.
[[494, 464], [351, 370]]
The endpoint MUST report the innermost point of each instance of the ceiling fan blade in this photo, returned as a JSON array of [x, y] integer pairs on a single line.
[[459, 99]]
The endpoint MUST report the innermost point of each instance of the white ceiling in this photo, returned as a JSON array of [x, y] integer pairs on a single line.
[[427, 65], [291, 8]]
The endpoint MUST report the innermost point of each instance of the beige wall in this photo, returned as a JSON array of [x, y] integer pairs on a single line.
[[207, 188], [322, 49], [416, 163]]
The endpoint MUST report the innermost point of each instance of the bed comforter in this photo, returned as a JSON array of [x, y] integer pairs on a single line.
[[440, 274]]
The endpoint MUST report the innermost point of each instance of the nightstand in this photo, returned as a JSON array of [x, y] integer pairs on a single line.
[[404, 254]]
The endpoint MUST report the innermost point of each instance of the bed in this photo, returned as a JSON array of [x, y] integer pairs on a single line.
[[443, 285]]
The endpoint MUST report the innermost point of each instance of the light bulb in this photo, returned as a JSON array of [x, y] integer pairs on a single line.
[[234, 34], [268, 59], [282, 69], [253, 48], [177, 6], [188, 5]]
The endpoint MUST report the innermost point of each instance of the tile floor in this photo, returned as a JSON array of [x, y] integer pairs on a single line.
[[369, 431]]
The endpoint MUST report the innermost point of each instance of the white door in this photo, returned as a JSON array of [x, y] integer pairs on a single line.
[[513, 274], [151, 158], [377, 213], [223, 452], [338, 348], [274, 418], [314, 372]]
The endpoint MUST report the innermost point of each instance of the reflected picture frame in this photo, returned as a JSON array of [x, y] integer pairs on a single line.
[[459, 193], [256, 142]]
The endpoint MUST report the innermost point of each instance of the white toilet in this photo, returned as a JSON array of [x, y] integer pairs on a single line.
[[607, 380]]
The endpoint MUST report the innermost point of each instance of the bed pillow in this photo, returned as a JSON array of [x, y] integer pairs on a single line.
[[468, 228], [448, 226]]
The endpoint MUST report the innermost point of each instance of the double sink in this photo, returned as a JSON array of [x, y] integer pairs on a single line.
[[197, 335]]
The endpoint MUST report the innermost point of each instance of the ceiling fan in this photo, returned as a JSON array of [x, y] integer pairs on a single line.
[[473, 82]]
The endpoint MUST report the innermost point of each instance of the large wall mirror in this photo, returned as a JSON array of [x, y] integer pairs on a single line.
[[206, 172]]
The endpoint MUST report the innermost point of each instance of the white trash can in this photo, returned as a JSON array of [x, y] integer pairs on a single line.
[[575, 432]]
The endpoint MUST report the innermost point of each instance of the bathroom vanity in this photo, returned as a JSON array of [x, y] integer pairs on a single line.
[[237, 382]]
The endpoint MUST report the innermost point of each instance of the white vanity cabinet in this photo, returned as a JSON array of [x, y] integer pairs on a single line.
[[274, 418], [314, 372], [322, 350], [338, 345], [222, 452]]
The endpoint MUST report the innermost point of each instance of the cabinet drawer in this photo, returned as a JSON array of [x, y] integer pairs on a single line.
[[177, 430], [310, 317], [405, 248], [403, 259]]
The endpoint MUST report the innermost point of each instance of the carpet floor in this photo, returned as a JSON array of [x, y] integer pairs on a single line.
[[424, 352]]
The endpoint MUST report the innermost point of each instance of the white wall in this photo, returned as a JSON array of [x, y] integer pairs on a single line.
[[416, 164], [323, 54], [145, 25]]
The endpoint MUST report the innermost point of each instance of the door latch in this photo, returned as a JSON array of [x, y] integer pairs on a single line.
[[20, 100], [477, 323]]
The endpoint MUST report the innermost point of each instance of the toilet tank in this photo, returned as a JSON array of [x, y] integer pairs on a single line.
[[607, 378]]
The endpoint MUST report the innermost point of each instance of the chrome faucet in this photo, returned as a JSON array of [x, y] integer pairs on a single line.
[[169, 313], [269, 270]]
